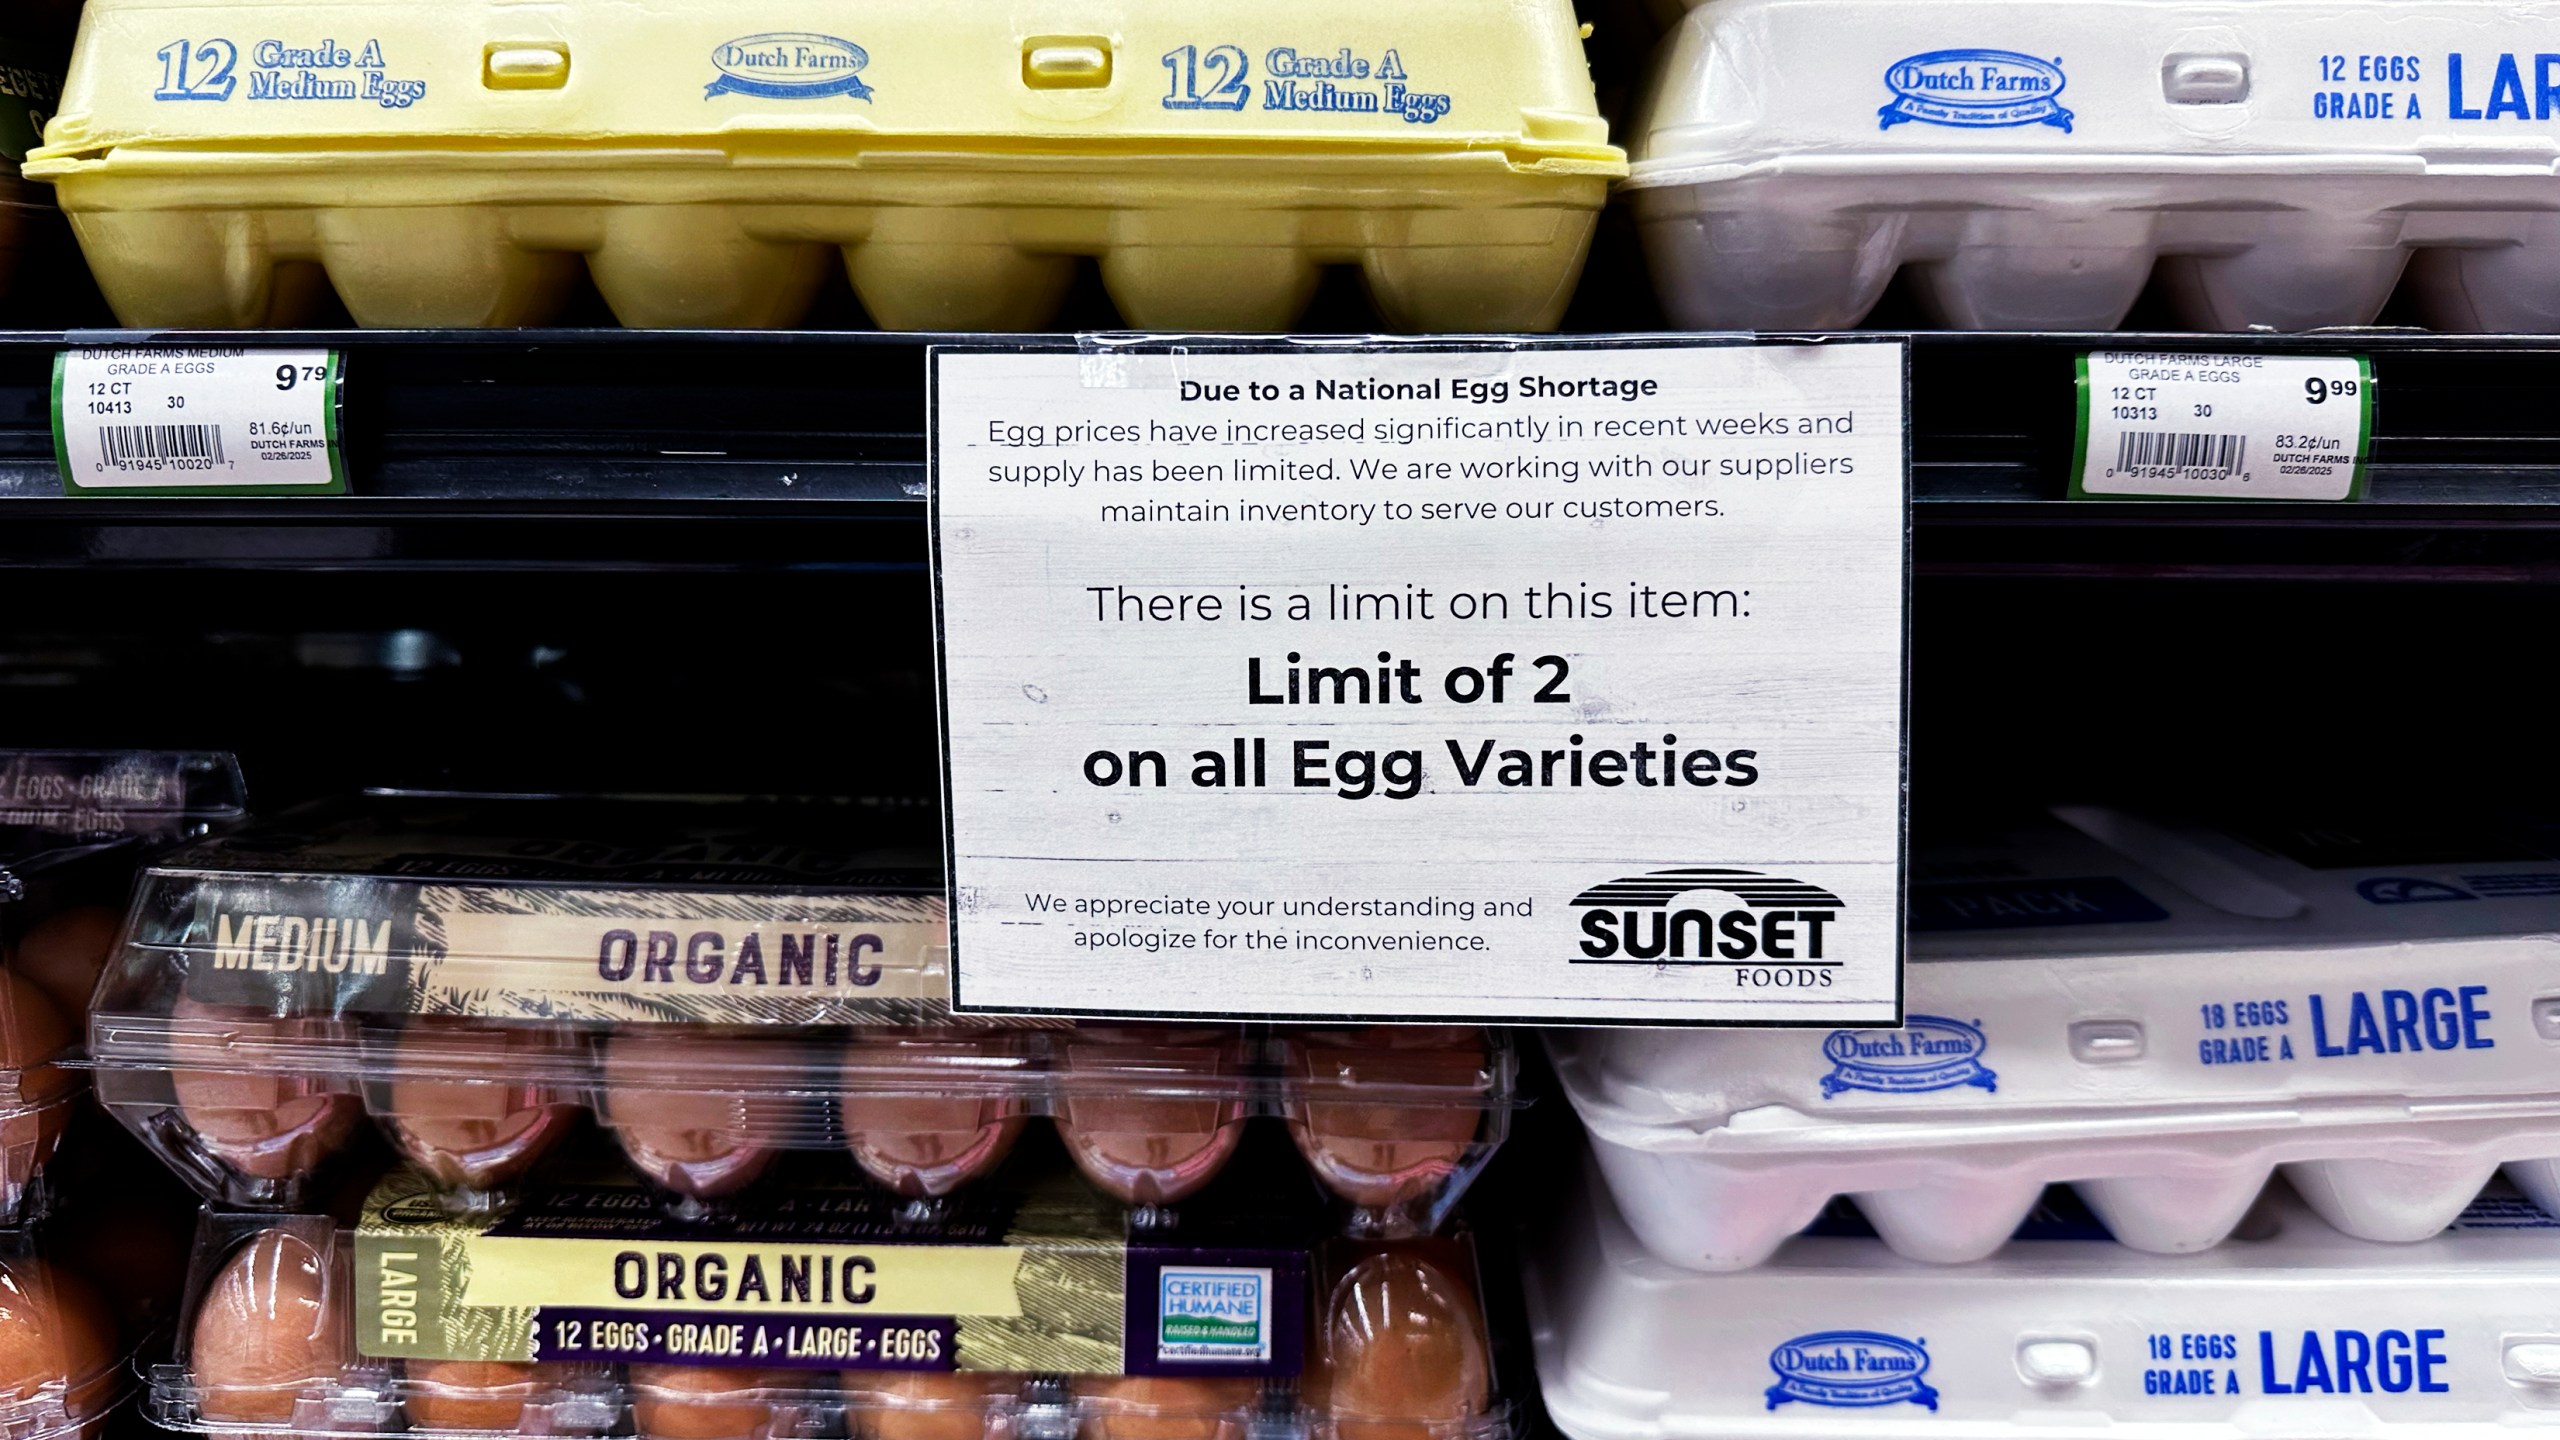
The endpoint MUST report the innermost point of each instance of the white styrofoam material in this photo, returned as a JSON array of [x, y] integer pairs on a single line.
[[2161, 1021], [2282, 161], [2297, 1332]]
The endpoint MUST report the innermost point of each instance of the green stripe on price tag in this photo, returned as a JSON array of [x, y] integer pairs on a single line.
[[2242, 426], [198, 420]]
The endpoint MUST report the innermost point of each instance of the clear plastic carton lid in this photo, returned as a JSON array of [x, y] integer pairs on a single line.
[[826, 1316]]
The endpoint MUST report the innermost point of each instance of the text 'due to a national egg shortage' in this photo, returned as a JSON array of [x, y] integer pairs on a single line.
[[1527, 681]]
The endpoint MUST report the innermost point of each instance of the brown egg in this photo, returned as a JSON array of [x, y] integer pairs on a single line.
[[275, 1326], [921, 1144], [1150, 1407], [1380, 1150], [33, 1092], [700, 1402], [1143, 1148], [479, 1133], [58, 1345], [1403, 1350], [473, 1394], [63, 954], [268, 1121], [928, 1404], [697, 1142]]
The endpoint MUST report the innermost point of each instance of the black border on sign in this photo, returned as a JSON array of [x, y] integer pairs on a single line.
[[1125, 343]]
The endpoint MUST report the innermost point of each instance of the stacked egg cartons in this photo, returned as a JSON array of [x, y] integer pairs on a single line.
[[2302, 1084], [74, 1304], [738, 1011]]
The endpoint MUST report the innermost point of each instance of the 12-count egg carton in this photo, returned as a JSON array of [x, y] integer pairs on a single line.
[[2030, 163], [707, 163], [74, 827], [716, 987], [2293, 1329], [2160, 1016], [825, 1315]]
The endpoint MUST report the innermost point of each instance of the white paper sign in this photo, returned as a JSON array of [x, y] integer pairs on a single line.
[[197, 419], [2231, 427], [1537, 682]]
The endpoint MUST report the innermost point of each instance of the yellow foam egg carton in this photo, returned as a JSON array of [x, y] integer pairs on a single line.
[[455, 162]]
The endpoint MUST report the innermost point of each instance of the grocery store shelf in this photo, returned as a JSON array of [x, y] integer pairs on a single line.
[[606, 448]]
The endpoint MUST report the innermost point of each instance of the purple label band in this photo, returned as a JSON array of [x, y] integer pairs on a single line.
[[759, 1339]]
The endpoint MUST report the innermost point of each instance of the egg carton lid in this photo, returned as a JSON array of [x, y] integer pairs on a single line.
[[654, 83], [2083, 975], [2052, 1335], [2136, 97], [574, 910]]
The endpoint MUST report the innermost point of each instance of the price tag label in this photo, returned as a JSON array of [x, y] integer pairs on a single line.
[[198, 420], [2225, 427], [1522, 681]]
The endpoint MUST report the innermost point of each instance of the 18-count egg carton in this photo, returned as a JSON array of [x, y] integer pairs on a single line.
[[2292, 1329], [716, 986], [2160, 1016], [459, 164], [2030, 163]]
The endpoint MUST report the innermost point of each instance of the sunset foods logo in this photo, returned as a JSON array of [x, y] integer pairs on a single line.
[[1706, 915]]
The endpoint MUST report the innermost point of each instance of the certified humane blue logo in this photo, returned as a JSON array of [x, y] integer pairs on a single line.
[[790, 66], [1929, 1052], [1975, 89], [1851, 1368]]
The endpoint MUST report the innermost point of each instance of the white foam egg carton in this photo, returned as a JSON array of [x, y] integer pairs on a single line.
[[2297, 1330], [2161, 1017], [2031, 163]]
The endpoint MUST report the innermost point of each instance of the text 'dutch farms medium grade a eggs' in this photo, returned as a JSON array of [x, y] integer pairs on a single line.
[[2034, 164], [2161, 1016], [707, 164]]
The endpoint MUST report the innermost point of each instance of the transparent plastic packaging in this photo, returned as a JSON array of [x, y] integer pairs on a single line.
[[2035, 164], [2161, 1016], [64, 1366], [1396, 1349], [74, 827], [2300, 1330], [479, 985], [708, 164]]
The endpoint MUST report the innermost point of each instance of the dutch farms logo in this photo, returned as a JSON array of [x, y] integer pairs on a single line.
[[1703, 915], [1975, 89], [1929, 1052], [790, 67], [1846, 1368]]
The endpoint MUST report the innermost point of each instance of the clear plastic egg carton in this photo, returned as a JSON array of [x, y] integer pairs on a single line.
[[2292, 1329], [481, 990], [66, 1364], [2032, 164], [2161, 1016], [74, 827], [1386, 1341], [708, 164]]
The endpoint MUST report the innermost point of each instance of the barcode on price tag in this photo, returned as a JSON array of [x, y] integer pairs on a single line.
[[2233, 427], [197, 420]]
